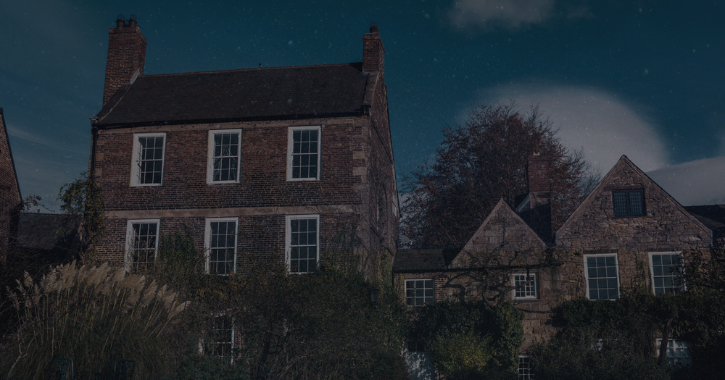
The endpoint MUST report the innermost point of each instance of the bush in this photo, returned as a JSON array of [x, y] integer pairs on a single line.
[[470, 340], [93, 315]]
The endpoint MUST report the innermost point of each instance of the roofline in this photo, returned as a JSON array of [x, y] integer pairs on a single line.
[[640, 172], [103, 126], [10, 150], [252, 69]]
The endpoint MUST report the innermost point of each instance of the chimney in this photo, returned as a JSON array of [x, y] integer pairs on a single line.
[[538, 215], [538, 174], [373, 52], [126, 55]]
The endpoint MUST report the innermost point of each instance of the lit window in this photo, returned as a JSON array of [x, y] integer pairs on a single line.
[[418, 292], [602, 277], [224, 156], [666, 269], [678, 352], [525, 286], [141, 244], [148, 159], [628, 203], [524, 369], [303, 243], [303, 154], [222, 337], [221, 245]]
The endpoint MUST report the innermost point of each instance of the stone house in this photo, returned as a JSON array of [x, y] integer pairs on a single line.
[[10, 199], [627, 230], [285, 163]]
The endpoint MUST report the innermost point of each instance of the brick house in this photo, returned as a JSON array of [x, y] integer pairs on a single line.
[[10, 199], [627, 224], [281, 162]]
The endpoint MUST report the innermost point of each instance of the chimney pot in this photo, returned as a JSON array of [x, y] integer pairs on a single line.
[[132, 20], [120, 21]]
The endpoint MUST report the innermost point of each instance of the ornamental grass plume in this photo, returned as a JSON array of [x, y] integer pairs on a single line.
[[93, 315]]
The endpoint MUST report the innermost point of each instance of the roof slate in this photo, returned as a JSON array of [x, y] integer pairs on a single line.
[[246, 94]]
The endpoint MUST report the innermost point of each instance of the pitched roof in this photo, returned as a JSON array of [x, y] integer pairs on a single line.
[[236, 95], [504, 229], [636, 173], [39, 231], [422, 260]]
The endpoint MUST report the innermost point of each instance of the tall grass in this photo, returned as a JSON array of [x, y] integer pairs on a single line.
[[93, 315]]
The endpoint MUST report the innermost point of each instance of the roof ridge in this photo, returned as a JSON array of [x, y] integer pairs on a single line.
[[247, 69]]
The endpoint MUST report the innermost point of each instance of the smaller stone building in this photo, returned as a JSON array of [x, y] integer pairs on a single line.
[[10, 199], [627, 230]]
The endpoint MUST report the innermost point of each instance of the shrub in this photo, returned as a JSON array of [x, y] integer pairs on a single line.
[[93, 315]]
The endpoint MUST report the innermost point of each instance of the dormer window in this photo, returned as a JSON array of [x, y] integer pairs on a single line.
[[628, 202]]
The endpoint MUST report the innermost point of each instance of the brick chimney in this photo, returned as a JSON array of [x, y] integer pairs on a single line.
[[538, 212], [126, 55], [373, 52]]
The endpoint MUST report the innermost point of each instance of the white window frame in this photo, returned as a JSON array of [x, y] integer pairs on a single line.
[[290, 149], [135, 159], [415, 297], [202, 341], [127, 261], [210, 155], [534, 282], [524, 372], [208, 248], [288, 240], [616, 266], [680, 348], [651, 268]]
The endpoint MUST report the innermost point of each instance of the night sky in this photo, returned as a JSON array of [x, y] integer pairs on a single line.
[[641, 78]]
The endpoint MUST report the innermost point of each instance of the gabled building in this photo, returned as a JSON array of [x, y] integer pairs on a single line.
[[626, 224], [10, 199], [281, 162]]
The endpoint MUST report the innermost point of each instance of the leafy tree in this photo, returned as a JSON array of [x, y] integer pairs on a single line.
[[82, 208], [481, 162]]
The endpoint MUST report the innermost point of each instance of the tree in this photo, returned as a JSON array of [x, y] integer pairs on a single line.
[[83, 214], [481, 162]]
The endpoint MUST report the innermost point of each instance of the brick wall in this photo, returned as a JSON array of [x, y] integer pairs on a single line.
[[263, 175], [10, 200]]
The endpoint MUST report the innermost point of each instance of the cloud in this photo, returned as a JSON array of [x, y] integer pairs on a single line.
[[601, 124], [697, 182], [510, 14]]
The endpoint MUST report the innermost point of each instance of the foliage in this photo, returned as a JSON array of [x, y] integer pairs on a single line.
[[488, 337], [82, 208], [196, 366], [481, 162], [627, 329], [94, 315], [319, 325]]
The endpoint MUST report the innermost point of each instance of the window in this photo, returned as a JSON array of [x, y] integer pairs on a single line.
[[225, 149], [666, 269], [678, 351], [222, 337], [303, 243], [524, 370], [602, 277], [525, 286], [628, 203], [418, 292], [303, 154], [142, 238], [147, 168], [221, 245]]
